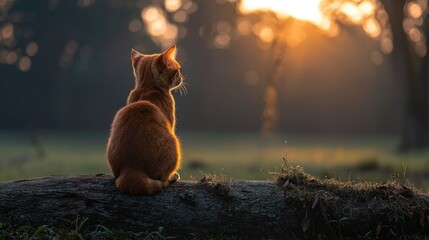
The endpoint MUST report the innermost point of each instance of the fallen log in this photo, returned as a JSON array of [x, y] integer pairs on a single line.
[[253, 209]]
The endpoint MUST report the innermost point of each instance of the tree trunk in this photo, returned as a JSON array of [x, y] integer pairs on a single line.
[[412, 70], [270, 114], [252, 209]]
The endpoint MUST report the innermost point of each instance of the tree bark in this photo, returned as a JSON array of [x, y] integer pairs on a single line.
[[250, 209]]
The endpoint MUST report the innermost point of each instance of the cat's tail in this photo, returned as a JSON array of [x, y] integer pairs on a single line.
[[133, 182]]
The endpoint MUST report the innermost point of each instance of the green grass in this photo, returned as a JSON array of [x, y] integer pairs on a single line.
[[239, 156], [78, 229]]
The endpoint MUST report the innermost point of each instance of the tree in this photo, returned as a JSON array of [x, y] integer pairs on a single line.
[[412, 69]]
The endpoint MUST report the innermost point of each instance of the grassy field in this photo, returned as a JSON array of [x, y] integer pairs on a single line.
[[238, 156]]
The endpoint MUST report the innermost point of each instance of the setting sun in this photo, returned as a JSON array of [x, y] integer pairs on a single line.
[[320, 13], [303, 10]]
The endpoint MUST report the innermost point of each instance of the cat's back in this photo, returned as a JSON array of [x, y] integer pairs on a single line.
[[137, 115], [135, 129]]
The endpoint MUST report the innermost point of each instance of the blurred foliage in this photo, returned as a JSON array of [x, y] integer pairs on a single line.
[[65, 62]]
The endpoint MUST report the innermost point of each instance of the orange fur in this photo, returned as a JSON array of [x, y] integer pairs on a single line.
[[143, 150]]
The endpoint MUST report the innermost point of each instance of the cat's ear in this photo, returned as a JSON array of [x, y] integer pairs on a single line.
[[169, 58], [169, 55], [135, 56]]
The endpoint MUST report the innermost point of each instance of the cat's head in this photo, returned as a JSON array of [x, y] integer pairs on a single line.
[[156, 70]]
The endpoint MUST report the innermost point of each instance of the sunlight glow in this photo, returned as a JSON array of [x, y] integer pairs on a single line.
[[367, 7], [308, 10], [135, 25], [372, 28], [11, 58], [413, 25], [223, 26], [386, 45], [222, 41], [24, 64], [7, 31], [158, 27], [180, 16], [32, 49], [352, 11], [172, 5], [164, 23], [415, 10], [318, 13], [415, 35], [244, 27], [266, 34], [421, 49]]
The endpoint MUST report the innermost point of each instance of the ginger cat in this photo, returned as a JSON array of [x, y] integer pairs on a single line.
[[143, 150]]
